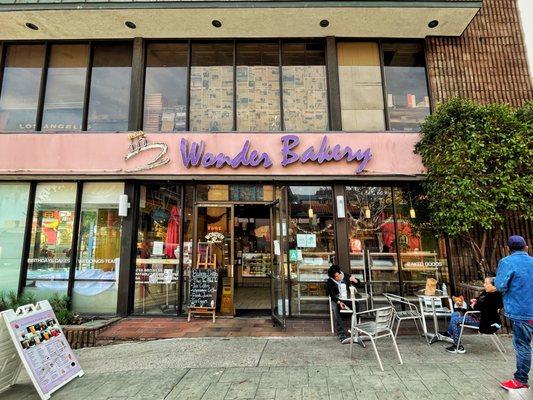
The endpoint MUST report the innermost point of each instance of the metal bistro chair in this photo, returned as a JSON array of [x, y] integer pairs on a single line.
[[495, 339], [379, 328], [410, 314]]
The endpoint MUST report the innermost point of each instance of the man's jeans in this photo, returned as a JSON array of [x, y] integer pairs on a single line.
[[522, 333], [456, 319]]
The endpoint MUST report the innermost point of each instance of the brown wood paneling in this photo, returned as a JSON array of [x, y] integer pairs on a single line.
[[463, 263], [487, 63]]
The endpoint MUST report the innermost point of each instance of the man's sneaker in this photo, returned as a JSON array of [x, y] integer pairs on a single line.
[[342, 338], [456, 350], [513, 384], [444, 333]]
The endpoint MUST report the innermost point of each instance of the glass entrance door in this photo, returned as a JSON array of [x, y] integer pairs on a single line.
[[278, 273], [214, 249]]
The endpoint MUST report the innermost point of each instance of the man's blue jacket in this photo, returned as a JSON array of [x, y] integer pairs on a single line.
[[514, 280]]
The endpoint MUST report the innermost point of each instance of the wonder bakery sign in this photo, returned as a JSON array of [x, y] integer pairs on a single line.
[[198, 154], [205, 155]]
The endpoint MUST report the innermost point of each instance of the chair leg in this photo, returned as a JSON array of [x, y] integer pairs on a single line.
[[416, 326], [460, 335], [397, 328], [351, 342], [498, 343], [396, 348], [376, 352], [331, 317]]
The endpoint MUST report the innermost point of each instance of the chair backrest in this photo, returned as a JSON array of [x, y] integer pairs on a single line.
[[383, 318]]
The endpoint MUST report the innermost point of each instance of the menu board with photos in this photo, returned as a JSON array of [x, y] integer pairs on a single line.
[[42, 347]]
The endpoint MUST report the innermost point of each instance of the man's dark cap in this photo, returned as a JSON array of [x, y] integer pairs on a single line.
[[516, 242]]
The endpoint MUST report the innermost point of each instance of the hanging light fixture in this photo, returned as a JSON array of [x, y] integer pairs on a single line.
[[310, 211], [368, 214], [412, 212]]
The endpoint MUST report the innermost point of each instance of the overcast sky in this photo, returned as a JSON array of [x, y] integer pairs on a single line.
[[526, 11]]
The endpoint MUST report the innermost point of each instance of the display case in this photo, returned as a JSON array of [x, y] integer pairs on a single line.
[[311, 273], [255, 265], [383, 275], [417, 267], [359, 271]]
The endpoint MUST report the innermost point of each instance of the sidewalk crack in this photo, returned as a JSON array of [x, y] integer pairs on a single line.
[[262, 352]]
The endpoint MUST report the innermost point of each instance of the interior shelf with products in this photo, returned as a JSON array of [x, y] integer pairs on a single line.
[[311, 274], [255, 265]]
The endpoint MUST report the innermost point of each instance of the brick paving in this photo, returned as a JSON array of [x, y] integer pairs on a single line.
[[303, 368], [143, 328]]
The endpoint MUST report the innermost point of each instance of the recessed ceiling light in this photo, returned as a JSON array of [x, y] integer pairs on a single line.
[[216, 23], [130, 24], [324, 23], [32, 26], [433, 24]]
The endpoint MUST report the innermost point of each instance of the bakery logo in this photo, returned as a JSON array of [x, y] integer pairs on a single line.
[[139, 143]]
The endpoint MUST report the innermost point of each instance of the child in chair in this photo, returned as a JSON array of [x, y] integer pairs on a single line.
[[488, 321]]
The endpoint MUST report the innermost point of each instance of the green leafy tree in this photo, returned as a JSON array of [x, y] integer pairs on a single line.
[[479, 161]]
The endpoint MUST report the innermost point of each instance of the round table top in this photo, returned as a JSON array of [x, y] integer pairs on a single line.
[[435, 296]]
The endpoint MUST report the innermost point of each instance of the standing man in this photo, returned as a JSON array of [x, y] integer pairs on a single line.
[[515, 281]]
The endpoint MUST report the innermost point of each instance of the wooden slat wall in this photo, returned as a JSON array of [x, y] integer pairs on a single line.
[[487, 63], [463, 263]]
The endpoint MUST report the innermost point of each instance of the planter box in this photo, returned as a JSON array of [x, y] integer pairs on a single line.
[[84, 335]]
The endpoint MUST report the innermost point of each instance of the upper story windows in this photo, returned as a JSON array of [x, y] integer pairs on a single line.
[[216, 86]]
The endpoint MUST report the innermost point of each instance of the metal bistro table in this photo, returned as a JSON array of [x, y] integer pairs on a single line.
[[359, 297], [432, 306]]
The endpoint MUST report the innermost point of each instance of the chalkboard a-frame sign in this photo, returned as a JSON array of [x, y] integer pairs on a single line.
[[203, 292]]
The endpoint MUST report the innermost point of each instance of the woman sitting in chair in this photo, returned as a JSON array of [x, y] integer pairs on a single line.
[[333, 289], [488, 320]]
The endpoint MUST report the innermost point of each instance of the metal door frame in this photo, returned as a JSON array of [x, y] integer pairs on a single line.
[[231, 228]]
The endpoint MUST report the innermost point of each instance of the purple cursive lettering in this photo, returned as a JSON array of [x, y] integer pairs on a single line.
[[325, 153], [194, 155]]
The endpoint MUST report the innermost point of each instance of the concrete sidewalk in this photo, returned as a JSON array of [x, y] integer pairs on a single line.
[[285, 368]]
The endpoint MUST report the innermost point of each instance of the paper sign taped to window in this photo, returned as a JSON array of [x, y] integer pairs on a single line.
[[277, 248]]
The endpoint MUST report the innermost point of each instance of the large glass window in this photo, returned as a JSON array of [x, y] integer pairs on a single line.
[[165, 97], [188, 237], [20, 87], [98, 259], [110, 88], [422, 252], [360, 86], [211, 97], [13, 204], [51, 239], [158, 250], [371, 239], [305, 97], [311, 237], [65, 87], [258, 94], [407, 91]]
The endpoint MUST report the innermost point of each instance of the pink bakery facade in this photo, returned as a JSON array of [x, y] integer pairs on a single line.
[[126, 163]]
